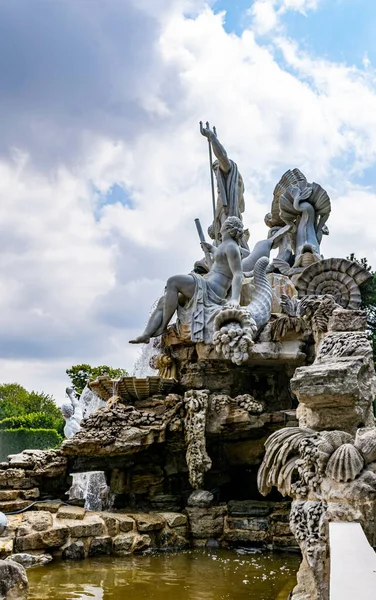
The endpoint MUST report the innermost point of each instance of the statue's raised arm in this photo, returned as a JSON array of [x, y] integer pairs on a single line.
[[230, 187]]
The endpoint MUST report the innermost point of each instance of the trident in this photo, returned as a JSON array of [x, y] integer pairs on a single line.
[[211, 176]]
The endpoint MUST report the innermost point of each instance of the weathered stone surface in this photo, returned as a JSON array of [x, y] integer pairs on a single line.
[[31, 560], [89, 527], [37, 520], [169, 539], [14, 505], [71, 512], [281, 284], [52, 506], [249, 508], [126, 523], [200, 498], [6, 547], [7, 495], [123, 543], [13, 581], [206, 522], [100, 546], [74, 551], [242, 535], [112, 524], [148, 521], [124, 429], [31, 494], [174, 519], [347, 320], [17, 479], [250, 524], [54, 538], [141, 543]]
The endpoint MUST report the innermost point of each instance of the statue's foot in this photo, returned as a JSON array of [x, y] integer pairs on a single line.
[[141, 339]]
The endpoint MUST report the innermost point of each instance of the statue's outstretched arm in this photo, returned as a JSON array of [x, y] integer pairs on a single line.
[[218, 149]]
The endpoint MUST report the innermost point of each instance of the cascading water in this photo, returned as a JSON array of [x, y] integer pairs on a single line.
[[91, 487], [141, 366], [89, 402]]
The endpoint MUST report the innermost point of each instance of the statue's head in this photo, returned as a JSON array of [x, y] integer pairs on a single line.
[[234, 227], [67, 410]]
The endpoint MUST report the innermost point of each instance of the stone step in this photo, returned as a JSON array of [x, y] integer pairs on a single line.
[[13, 505], [10, 495]]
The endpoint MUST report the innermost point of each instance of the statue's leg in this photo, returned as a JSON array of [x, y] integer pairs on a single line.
[[183, 284], [152, 326]]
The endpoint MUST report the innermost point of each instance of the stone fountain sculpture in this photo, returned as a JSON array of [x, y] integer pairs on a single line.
[[268, 370], [72, 414]]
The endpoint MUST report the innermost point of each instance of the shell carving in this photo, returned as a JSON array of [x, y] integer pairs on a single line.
[[338, 277], [345, 464], [130, 388], [365, 441], [235, 328]]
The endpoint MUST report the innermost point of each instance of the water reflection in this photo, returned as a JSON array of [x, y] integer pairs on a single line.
[[191, 575]]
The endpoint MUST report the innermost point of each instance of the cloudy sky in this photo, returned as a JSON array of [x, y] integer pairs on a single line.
[[103, 169]]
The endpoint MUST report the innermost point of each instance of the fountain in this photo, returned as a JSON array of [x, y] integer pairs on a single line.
[[263, 386]]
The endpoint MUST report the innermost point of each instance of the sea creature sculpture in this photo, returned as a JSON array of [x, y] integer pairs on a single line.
[[236, 327]]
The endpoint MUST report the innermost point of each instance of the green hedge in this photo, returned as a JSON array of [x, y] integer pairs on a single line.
[[33, 421], [13, 441]]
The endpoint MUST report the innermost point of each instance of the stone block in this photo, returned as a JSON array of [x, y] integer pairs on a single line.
[[76, 513], [89, 527], [347, 320], [101, 546], [285, 542], [148, 522], [206, 522], [243, 535], [112, 524], [52, 506], [141, 543], [280, 529], [13, 505], [126, 523], [31, 494], [32, 541], [17, 479], [248, 524], [174, 519], [55, 537], [13, 581], [7, 495], [169, 539], [249, 508], [31, 560], [123, 543], [37, 520], [200, 498], [74, 551]]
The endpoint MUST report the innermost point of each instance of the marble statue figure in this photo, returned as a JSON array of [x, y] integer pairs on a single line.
[[72, 413], [230, 186], [197, 298]]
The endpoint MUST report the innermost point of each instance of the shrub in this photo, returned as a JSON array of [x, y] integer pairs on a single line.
[[34, 421], [13, 441]]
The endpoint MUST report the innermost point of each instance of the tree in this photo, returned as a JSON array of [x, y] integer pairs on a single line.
[[81, 374], [16, 401], [368, 293]]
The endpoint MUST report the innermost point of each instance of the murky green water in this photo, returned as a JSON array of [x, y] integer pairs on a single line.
[[191, 575]]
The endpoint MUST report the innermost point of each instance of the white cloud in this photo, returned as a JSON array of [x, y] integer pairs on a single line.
[[78, 276], [267, 14]]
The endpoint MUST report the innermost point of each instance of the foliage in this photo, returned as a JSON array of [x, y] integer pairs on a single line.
[[81, 374], [368, 293], [34, 421], [15, 400], [13, 441]]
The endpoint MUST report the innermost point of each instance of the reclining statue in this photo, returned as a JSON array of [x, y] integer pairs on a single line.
[[197, 299]]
